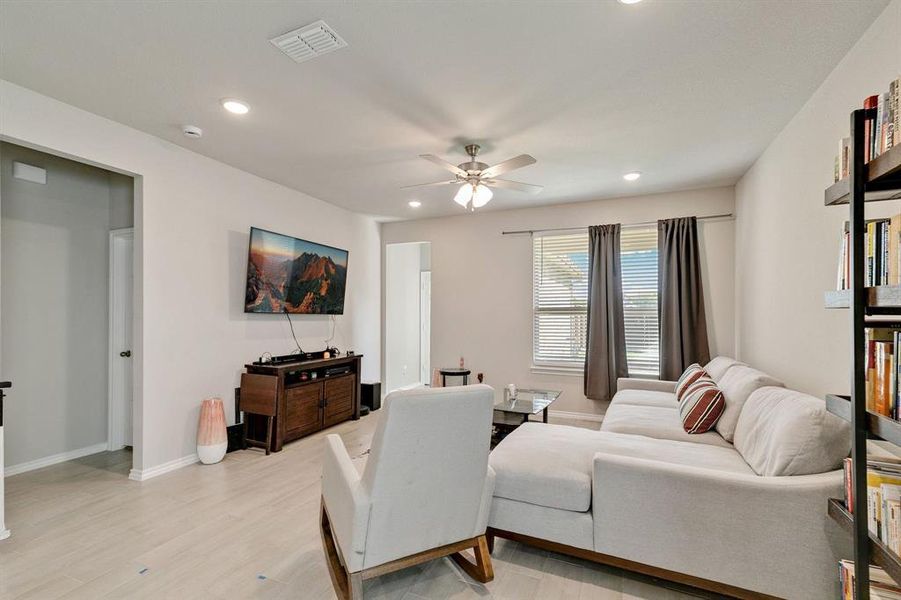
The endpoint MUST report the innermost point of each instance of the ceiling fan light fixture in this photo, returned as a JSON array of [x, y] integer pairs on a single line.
[[476, 178], [481, 196], [464, 195]]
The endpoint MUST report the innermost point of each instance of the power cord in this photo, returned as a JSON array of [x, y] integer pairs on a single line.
[[332, 335], [288, 316]]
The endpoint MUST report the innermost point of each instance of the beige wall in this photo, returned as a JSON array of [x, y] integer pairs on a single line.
[[787, 241], [482, 280]]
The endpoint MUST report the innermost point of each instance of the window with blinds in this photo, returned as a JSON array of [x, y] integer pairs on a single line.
[[560, 299], [638, 249]]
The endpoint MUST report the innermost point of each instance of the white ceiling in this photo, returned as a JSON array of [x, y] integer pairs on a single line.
[[688, 92]]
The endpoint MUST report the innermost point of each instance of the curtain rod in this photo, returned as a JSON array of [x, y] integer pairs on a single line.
[[532, 231]]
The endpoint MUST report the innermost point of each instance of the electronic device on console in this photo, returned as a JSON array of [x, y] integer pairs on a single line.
[[335, 371], [267, 359]]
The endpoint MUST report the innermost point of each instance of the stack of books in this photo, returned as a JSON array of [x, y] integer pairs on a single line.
[[883, 495], [881, 132], [882, 244], [882, 586]]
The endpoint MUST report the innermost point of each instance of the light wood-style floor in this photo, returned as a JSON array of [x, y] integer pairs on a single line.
[[245, 528]]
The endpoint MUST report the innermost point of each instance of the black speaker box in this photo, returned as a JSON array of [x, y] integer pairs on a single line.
[[235, 437], [372, 395]]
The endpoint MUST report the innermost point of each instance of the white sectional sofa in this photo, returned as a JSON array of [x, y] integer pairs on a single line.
[[740, 510]]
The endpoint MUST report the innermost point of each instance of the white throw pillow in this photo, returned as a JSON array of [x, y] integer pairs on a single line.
[[718, 366], [784, 432], [737, 383]]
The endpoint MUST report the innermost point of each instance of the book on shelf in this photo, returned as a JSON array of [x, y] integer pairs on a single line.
[[882, 586], [882, 253], [882, 347], [881, 131], [843, 281], [844, 158], [869, 129]]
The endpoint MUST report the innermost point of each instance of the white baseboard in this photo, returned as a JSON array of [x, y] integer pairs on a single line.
[[577, 416], [54, 459], [172, 465]]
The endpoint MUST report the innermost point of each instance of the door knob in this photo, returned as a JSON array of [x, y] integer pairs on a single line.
[[125, 354]]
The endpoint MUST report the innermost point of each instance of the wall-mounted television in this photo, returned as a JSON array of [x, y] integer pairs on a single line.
[[285, 272]]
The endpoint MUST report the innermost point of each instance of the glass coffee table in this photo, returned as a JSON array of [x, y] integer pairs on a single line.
[[511, 413]]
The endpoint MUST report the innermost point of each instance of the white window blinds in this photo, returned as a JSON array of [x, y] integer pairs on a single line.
[[638, 248], [560, 299]]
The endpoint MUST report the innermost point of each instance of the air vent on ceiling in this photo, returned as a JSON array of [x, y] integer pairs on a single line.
[[309, 42]]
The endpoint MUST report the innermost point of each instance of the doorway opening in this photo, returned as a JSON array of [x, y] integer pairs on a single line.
[[66, 287], [408, 330]]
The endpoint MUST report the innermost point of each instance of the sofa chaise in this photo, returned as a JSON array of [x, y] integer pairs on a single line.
[[739, 510]]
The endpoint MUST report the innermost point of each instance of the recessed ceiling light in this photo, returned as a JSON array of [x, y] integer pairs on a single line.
[[629, 1], [414, 203], [235, 106], [632, 176]]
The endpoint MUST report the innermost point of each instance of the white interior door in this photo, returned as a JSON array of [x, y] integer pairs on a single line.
[[120, 350]]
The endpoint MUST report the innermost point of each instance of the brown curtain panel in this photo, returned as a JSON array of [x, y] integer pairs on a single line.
[[683, 324], [605, 346]]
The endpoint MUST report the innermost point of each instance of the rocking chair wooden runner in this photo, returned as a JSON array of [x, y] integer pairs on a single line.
[[424, 494]]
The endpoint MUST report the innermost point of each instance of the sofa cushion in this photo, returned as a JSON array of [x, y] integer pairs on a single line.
[[784, 432], [645, 398], [656, 422], [701, 406], [670, 451], [718, 366], [691, 374], [547, 465], [737, 383]]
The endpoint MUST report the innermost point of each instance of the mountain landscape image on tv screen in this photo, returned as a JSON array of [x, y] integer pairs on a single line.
[[287, 272]]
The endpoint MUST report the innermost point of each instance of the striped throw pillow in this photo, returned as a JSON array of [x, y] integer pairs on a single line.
[[691, 374], [701, 406]]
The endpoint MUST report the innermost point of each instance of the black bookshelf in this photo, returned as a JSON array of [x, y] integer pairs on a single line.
[[880, 179], [879, 554], [879, 426]]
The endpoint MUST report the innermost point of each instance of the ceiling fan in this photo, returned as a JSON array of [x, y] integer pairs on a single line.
[[476, 178]]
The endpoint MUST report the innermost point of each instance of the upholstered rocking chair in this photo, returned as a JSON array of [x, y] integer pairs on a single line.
[[425, 492]]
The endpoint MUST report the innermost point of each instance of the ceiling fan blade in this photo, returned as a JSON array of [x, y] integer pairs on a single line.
[[418, 185], [444, 164], [513, 185], [517, 162]]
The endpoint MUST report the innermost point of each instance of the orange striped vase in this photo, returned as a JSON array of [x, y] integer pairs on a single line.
[[212, 440]]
